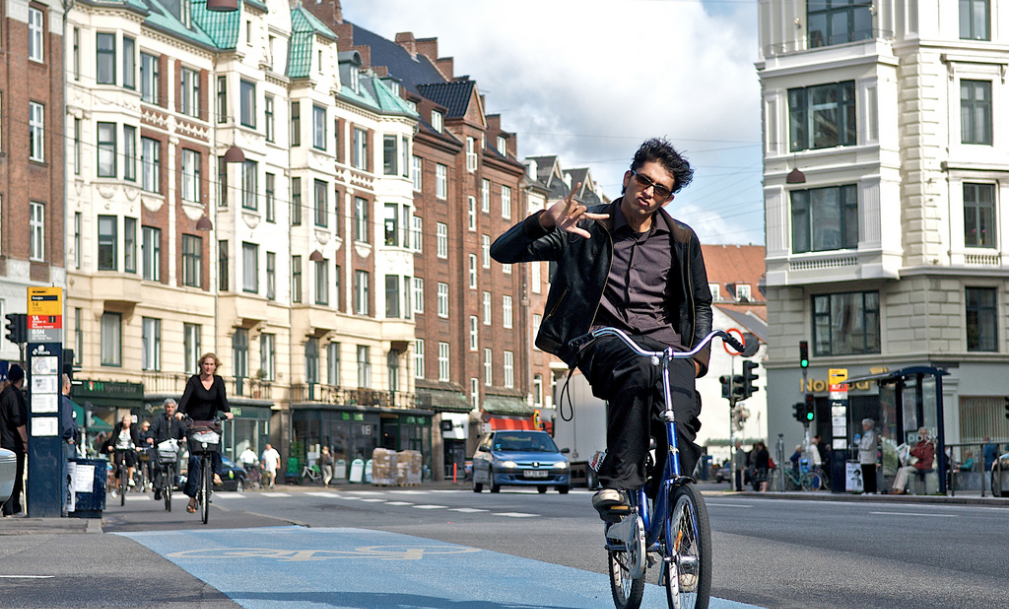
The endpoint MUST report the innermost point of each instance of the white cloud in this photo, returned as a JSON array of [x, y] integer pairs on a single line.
[[589, 80]]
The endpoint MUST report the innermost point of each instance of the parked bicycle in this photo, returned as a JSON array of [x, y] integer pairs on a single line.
[[310, 473], [674, 524]]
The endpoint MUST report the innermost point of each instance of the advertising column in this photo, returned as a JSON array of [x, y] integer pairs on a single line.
[[47, 477]]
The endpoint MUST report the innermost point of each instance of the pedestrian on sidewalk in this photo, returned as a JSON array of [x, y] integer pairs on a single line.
[[867, 456], [271, 461], [740, 458], [14, 433], [327, 466]]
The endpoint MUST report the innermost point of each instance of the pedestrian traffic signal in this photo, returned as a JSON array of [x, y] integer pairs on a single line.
[[800, 412], [726, 386], [803, 354], [749, 377], [1007, 407], [17, 328], [809, 408]]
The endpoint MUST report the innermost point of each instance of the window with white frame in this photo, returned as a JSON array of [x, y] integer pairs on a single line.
[[268, 356], [322, 282], [535, 276], [715, 290], [437, 121], [105, 58], [108, 243], [485, 195], [130, 245], [506, 310], [537, 322], [474, 333], [150, 164], [250, 185], [417, 173], [472, 214], [474, 393], [472, 272], [486, 308], [538, 390], [441, 181], [502, 145], [149, 78], [363, 366], [318, 127], [443, 362], [488, 366], [392, 296], [442, 299], [107, 150], [37, 229], [442, 232], [471, 160], [37, 130], [361, 288], [111, 339], [506, 269], [418, 358], [390, 154], [506, 202], [974, 20], [192, 261], [36, 34], [130, 153], [418, 233], [418, 294], [979, 215], [250, 268], [742, 292], [150, 354], [150, 252], [361, 220], [333, 363], [509, 369], [192, 335], [360, 160], [190, 101], [247, 94], [485, 250], [976, 112], [190, 176], [270, 119]]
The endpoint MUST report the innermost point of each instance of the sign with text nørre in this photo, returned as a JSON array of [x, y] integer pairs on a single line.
[[45, 315]]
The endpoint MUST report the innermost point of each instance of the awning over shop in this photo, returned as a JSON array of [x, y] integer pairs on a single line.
[[507, 405], [441, 400]]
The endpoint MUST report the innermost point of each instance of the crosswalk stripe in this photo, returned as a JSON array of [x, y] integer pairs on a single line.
[[138, 498], [430, 507], [228, 495], [276, 494], [399, 503], [515, 514], [467, 510], [323, 494], [372, 500]]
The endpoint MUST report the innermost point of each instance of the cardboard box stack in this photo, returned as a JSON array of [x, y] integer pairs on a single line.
[[409, 463], [384, 471]]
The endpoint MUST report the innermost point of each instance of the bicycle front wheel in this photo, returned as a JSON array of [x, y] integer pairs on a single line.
[[807, 483], [207, 478], [627, 591], [167, 480], [687, 551], [122, 485]]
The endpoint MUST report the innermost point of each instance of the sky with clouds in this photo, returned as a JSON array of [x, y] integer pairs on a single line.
[[589, 80]]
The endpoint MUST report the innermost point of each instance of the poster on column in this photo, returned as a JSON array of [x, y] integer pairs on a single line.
[[838, 395]]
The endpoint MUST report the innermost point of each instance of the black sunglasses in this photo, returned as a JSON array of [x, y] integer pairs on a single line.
[[659, 191]]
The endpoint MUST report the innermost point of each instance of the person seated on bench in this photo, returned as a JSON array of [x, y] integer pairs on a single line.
[[922, 457]]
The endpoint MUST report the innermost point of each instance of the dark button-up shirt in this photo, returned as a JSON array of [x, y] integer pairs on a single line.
[[638, 294]]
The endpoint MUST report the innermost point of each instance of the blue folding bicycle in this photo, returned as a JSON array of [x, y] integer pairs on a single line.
[[674, 525]]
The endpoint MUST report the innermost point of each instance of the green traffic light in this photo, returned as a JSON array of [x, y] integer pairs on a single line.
[[809, 416], [804, 363]]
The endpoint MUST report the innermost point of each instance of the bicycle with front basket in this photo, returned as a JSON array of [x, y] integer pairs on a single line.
[[674, 524], [204, 439]]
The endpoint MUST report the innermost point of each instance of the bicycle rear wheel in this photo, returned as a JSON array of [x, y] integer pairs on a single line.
[[206, 479], [167, 482], [626, 590], [122, 484], [687, 551], [807, 482]]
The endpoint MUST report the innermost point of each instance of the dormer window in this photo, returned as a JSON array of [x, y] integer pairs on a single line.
[[355, 78], [743, 292], [715, 290], [319, 57], [502, 145], [437, 121], [471, 158]]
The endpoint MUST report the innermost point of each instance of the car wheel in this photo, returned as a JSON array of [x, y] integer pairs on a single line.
[[541, 489], [996, 484], [563, 489], [477, 486], [494, 488]]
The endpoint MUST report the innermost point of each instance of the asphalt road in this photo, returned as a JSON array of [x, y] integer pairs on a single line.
[[768, 552]]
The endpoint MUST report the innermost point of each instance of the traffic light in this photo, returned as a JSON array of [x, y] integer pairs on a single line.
[[809, 408], [727, 386], [749, 377], [738, 388], [1007, 407], [803, 354], [800, 412], [17, 328]]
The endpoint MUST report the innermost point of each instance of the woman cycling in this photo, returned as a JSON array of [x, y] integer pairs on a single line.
[[203, 398], [123, 442]]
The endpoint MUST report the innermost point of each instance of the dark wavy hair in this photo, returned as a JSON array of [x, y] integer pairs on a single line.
[[660, 150]]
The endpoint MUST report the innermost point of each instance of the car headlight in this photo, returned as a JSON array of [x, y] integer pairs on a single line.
[[561, 465], [508, 464]]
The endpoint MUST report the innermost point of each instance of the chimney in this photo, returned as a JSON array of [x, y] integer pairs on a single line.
[[406, 40], [328, 11], [428, 47], [445, 65]]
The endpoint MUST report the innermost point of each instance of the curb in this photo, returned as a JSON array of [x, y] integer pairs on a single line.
[[850, 498]]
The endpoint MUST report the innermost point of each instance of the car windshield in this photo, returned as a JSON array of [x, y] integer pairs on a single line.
[[528, 441]]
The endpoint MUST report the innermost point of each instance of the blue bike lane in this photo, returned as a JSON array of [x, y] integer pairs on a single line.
[[297, 567]]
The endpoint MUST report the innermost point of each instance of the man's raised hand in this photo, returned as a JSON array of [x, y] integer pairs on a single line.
[[566, 213]]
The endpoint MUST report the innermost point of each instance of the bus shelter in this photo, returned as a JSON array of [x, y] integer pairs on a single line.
[[909, 399]]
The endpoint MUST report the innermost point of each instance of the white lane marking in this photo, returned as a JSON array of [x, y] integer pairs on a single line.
[[914, 514], [515, 514], [399, 503], [467, 510], [227, 495], [736, 505], [372, 500], [276, 494], [138, 498], [430, 507], [365, 492], [323, 494], [27, 576]]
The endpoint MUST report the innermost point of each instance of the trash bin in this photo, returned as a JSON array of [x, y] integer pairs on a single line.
[[88, 487]]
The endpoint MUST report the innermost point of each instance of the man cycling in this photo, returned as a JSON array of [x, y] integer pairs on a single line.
[[630, 266], [123, 444], [164, 427]]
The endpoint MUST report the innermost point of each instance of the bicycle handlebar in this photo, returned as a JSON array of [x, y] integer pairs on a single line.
[[744, 350]]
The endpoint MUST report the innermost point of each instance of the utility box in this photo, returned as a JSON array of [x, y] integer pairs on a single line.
[[87, 487]]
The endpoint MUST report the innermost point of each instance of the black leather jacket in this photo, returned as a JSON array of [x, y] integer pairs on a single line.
[[583, 267]]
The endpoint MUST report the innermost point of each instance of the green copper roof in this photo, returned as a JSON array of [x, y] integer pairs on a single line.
[[220, 26], [303, 20], [160, 17], [304, 27]]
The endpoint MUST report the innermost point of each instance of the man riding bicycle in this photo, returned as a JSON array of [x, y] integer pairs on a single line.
[[164, 427], [629, 266]]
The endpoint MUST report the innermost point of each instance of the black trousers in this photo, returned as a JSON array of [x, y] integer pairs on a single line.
[[868, 477], [13, 505], [633, 388]]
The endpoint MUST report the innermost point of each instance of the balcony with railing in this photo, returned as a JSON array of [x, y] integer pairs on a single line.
[[168, 383], [344, 396]]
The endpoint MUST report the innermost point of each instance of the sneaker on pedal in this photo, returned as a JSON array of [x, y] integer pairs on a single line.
[[217, 480], [610, 503], [131, 482]]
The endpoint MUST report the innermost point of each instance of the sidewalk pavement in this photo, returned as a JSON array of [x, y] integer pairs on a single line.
[[961, 498]]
